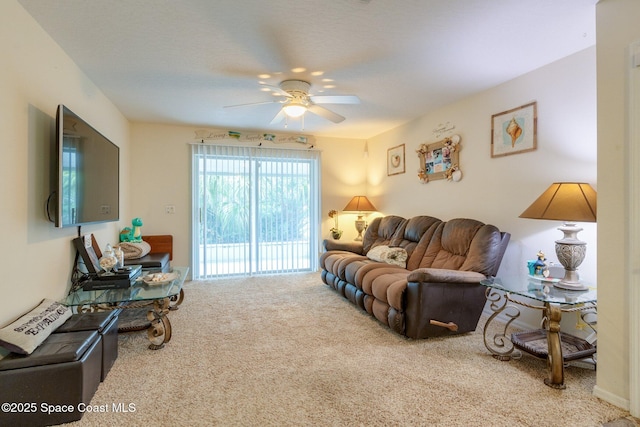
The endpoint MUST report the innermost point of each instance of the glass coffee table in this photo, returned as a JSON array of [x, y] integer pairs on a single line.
[[549, 342], [159, 296]]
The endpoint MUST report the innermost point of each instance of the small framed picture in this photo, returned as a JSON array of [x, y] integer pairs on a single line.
[[395, 160], [514, 131]]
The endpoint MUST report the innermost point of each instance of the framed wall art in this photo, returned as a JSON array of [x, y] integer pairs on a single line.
[[395, 160], [440, 160], [514, 131]]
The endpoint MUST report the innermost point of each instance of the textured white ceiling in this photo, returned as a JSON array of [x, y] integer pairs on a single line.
[[181, 61]]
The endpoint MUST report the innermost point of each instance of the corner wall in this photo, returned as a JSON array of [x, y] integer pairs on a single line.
[[36, 76], [616, 28]]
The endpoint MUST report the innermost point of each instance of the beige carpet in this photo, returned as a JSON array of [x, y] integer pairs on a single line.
[[288, 351]]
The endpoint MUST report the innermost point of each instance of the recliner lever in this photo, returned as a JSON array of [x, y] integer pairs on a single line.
[[451, 326]]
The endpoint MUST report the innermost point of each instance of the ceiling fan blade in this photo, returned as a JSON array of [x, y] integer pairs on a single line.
[[324, 113], [251, 103], [276, 89], [279, 117], [335, 99]]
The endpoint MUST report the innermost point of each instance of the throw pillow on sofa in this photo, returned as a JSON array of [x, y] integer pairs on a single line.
[[390, 255], [25, 334]]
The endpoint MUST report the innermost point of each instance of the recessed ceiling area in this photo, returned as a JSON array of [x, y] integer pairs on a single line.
[[181, 62]]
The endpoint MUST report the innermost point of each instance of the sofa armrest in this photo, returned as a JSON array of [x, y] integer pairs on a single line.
[[441, 275], [456, 304], [336, 245]]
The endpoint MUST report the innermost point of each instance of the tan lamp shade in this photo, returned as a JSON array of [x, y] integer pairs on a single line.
[[360, 204], [564, 201]]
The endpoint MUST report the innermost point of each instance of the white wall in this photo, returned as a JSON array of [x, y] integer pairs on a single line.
[[161, 176], [616, 28], [344, 175], [497, 190], [36, 76]]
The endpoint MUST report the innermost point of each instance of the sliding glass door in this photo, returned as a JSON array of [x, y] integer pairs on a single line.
[[256, 210]]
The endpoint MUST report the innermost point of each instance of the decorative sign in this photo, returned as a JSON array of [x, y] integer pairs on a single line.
[[254, 136], [440, 160], [442, 129]]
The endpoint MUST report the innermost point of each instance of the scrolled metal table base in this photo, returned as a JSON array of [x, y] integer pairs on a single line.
[[501, 346], [159, 332], [176, 300], [555, 361]]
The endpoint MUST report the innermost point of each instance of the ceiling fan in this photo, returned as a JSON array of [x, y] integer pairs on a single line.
[[297, 101]]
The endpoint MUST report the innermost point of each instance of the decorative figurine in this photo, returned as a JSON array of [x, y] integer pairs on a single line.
[[540, 266], [134, 234]]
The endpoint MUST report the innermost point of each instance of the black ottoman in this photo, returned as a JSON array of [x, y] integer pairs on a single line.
[[106, 323], [53, 382]]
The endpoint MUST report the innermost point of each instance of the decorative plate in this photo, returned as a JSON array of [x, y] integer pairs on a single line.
[[159, 278]]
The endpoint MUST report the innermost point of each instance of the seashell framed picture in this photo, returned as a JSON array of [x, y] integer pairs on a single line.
[[514, 131], [395, 160]]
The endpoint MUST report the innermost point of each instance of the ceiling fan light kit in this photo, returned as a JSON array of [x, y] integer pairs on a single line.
[[298, 101], [294, 109]]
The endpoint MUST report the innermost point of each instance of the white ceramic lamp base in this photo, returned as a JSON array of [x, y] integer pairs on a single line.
[[570, 251], [360, 225]]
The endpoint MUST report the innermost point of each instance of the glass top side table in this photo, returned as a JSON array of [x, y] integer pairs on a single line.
[[160, 297], [555, 301]]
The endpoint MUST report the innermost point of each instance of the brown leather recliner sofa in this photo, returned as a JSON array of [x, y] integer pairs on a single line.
[[437, 292]]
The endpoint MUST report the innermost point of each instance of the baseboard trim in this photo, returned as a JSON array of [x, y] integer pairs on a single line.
[[614, 399]]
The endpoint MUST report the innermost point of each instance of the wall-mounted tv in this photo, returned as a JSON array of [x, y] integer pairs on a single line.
[[88, 173]]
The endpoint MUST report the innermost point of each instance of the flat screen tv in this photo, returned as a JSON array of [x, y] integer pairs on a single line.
[[88, 173]]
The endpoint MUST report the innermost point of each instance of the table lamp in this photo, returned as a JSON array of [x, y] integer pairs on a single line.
[[569, 202], [359, 204]]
